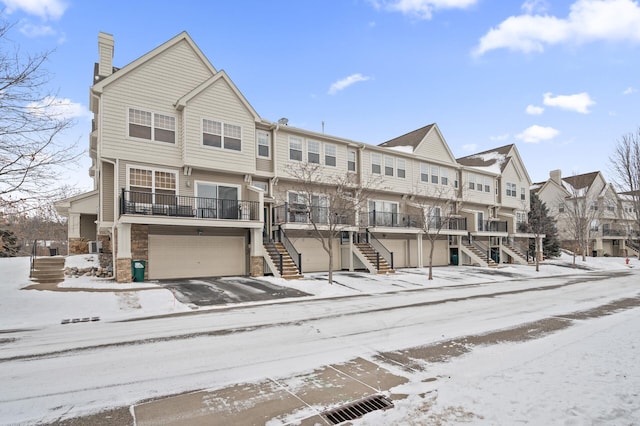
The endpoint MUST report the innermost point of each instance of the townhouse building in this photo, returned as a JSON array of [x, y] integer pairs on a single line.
[[189, 178], [587, 204]]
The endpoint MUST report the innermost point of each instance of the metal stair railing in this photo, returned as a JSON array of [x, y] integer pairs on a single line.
[[380, 249], [288, 245]]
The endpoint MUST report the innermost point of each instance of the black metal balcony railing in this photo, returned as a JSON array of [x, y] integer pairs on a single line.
[[492, 226], [300, 213], [147, 203], [614, 232], [393, 220]]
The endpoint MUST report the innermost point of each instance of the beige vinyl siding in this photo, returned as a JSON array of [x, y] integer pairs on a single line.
[[107, 192], [512, 175], [219, 103], [281, 153], [153, 86], [475, 196], [264, 165], [433, 147]]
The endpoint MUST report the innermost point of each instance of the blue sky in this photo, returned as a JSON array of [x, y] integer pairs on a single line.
[[558, 78]]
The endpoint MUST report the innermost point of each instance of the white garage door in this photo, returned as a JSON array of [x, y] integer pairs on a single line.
[[179, 256]]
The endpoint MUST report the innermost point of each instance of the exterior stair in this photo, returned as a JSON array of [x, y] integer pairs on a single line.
[[48, 270], [289, 269], [517, 255], [371, 257], [480, 256], [633, 249]]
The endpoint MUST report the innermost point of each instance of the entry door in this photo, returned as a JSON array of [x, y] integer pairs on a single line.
[[217, 201]]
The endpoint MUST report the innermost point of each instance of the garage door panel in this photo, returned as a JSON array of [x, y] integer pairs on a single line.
[[181, 256]]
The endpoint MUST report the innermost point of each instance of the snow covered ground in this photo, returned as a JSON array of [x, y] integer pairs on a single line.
[[585, 374]]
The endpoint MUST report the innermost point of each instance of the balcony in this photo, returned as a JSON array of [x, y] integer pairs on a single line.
[[492, 226], [300, 213], [394, 220], [156, 204]]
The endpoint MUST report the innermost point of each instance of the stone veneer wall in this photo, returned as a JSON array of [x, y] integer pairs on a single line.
[[78, 246], [140, 245], [257, 266]]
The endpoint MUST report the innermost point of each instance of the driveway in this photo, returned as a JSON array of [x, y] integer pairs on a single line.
[[221, 291]]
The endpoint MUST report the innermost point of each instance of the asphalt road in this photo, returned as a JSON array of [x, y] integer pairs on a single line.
[[146, 359]]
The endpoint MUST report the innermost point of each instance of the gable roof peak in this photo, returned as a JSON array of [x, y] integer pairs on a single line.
[[412, 138]]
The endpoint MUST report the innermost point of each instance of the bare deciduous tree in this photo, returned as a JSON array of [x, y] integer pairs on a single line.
[[31, 124], [331, 202], [625, 163], [439, 209]]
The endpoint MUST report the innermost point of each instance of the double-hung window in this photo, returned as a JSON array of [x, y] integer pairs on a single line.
[[523, 194], [351, 160], [487, 184], [150, 187], [221, 135], [330, 154], [511, 189], [435, 174], [376, 163], [295, 148], [264, 145], [444, 176], [401, 168], [424, 173], [313, 151], [388, 166], [472, 181], [152, 126]]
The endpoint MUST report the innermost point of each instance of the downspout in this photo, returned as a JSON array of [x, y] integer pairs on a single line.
[[114, 196]]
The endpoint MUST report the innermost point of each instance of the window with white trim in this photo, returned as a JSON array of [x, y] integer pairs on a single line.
[[152, 126], [435, 175], [472, 181], [444, 176], [313, 151], [424, 173], [521, 217], [221, 135], [388, 165], [264, 144], [152, 186], [295, 148], [376, 163], [401, 168], [351, 160], [523, 193], [512, 189], [330, 151], [487, 184]]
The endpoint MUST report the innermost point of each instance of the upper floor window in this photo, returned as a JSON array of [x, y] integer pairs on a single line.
[[511, 189], [152, 126], [444, 176], [561, 208], [313, 151], [295, 148], [388, 166], [424, 173], [487, 184], [521, 217], [221, 135], [264, 145], [401, 168], [376, 163], [330, 154], [472, 181], [435, 174], [523, 193], [351, 160]]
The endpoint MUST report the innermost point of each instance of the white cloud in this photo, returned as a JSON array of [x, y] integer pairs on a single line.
[[531, 6], [346, 82], [470, 147], [422, 9], [629, 91], [588, 20], [45, 9], [59, 108], [535, 134], [580, 102], [534, 110], [33, 31], [499, 138]]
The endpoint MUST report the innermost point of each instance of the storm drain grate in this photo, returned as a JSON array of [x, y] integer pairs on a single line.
[[358, 409]]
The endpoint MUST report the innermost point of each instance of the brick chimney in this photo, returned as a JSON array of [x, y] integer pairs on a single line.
[[105, 51], [556, 176]]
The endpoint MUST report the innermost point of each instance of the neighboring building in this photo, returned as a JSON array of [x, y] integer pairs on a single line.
[[608, 219], [189, 178]]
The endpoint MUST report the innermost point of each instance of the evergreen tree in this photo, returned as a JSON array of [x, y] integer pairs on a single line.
[[541, 223], [9, 246]]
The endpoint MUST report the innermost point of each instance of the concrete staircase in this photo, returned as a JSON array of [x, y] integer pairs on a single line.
[[517, 255], [368, 254], [289, 269], [48, 270], [478, 256]]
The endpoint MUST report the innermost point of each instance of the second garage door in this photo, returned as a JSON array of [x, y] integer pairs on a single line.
[[180, 256]]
